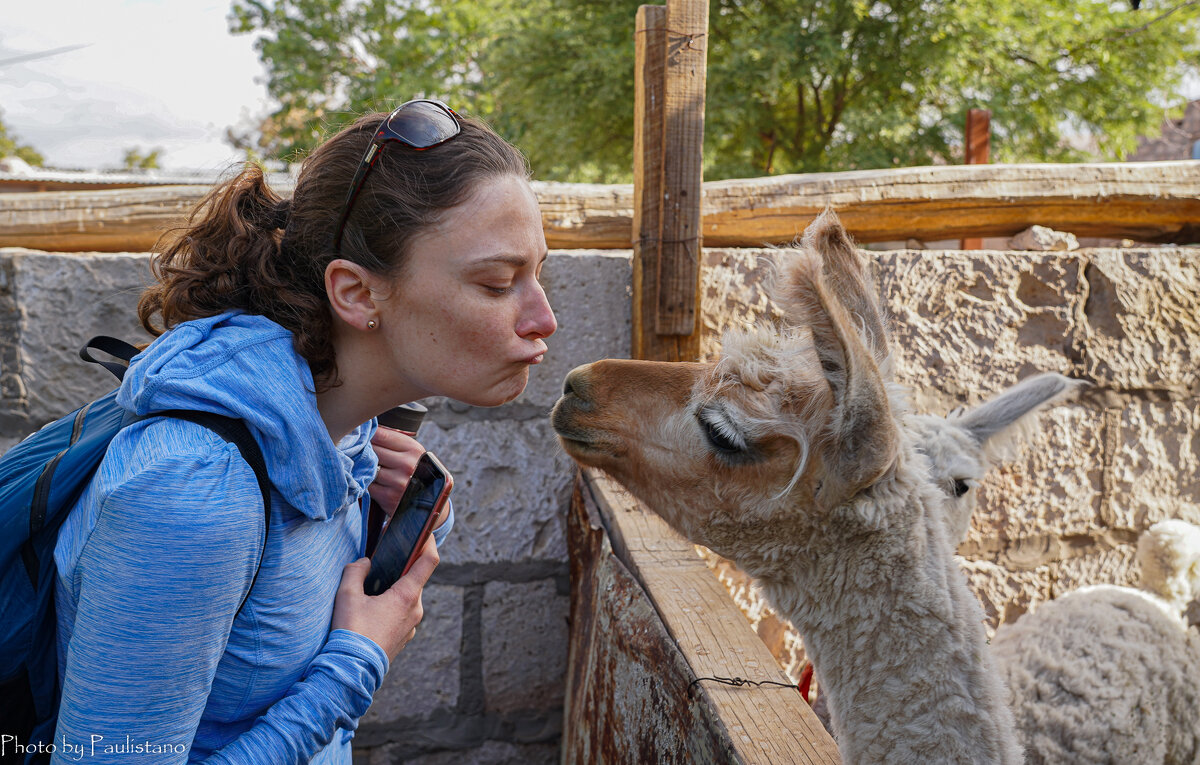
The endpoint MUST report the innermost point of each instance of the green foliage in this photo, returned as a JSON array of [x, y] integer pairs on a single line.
[[792, 87], [134, 159], [9, 147]]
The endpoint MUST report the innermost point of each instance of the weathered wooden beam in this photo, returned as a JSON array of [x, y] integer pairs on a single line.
[[686, 57], [767, 724], [1146, 201], [649, 58], [120, 220]]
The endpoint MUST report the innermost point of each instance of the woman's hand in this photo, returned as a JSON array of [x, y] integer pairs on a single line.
[[390, 618], [398, 454]]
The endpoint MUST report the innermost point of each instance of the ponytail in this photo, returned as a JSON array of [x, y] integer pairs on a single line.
[[229, 256]]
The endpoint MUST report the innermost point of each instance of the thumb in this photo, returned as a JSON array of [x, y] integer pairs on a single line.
[[424, 565]]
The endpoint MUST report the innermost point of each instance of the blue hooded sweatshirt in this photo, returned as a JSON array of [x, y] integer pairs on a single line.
[[156, 557]]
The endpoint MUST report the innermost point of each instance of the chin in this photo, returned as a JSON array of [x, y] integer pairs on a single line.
[[495, 396]]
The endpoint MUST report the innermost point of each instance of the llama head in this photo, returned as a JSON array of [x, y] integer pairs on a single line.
[[963, 446], [761, 445], [1169, 555]]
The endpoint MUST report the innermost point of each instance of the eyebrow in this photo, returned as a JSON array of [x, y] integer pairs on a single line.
[[517, 261]]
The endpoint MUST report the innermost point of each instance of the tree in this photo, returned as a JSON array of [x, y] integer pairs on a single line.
[[822, 85], [134, 159], [9, 147]]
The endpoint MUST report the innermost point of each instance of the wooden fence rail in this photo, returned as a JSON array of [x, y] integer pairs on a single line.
[[648, 621], [1146, 201]]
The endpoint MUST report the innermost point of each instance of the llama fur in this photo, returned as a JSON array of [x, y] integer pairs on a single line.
[[796, 457], [1109, 674], [1103, 674]]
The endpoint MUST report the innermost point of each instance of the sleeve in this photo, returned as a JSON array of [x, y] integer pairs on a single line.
[[160, 581], [335, 691]]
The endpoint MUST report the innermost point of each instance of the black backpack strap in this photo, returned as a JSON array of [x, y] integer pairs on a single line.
[[235, 432], [118, 349]]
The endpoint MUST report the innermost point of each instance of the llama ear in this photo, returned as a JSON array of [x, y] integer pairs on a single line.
[[1000, 424], [861, 441], [847, 276]]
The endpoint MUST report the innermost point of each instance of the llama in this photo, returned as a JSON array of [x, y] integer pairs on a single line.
[[793, 456], [1104, 673]]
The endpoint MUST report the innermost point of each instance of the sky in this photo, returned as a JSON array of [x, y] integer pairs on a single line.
[[153, 74], [148, 74]]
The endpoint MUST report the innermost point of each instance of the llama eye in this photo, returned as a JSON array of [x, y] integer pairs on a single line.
[[961, 487], [720, 433]]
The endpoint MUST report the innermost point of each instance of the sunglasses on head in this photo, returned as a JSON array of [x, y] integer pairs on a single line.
[[420, 124]]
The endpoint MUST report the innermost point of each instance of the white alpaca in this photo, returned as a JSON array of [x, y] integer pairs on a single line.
[[794, 457], [1109, 674], [1103, 674]]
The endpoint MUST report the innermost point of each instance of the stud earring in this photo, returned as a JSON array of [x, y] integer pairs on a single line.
[[372, 324]]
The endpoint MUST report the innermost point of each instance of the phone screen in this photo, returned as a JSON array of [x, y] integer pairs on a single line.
[[410, 524]]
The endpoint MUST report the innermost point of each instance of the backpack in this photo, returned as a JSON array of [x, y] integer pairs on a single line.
[[41, 478]]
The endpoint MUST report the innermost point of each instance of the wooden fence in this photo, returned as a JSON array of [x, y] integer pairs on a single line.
[[652, 630], [1146, 201]]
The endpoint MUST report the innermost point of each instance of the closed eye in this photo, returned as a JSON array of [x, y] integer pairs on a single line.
[[720, 432]]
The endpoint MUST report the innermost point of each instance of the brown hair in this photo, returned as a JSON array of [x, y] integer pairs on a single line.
[[244, 247]]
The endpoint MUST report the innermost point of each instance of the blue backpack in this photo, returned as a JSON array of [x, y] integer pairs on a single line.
[[41, 478]]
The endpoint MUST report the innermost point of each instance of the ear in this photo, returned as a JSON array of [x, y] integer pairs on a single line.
[[1000, 424], [862, 441], [846, 274], [349, 287]]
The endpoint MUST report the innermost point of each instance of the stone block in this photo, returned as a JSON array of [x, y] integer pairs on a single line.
[[63, 300], [966, 325], [1117, 565], [1051, 489], [590, 294], [511, 483], [1142, 320], [1005, 595], [424, 678], [1154, 464], [733, 293], [524, 646]]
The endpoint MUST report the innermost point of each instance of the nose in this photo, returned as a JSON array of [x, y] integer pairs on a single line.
[[575, 384], [538, 318]]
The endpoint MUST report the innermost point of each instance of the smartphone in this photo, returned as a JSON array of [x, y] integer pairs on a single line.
[[414, 519]]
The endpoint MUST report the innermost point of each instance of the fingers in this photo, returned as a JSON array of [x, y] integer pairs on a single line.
[[386, 439], [354, 574]]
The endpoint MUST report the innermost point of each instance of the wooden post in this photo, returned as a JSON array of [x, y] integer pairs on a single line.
[[683, 144], [977, 136], [648, 81], [670, 60]]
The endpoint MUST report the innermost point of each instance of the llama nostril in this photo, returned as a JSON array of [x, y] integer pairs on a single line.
[[574, 384]]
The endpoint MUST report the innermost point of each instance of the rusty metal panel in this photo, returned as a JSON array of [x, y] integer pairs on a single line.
[[627, 686]]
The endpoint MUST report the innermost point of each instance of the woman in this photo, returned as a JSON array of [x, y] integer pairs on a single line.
[[405, 265]]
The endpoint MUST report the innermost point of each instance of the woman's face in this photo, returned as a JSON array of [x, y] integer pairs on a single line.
[[467, 316]]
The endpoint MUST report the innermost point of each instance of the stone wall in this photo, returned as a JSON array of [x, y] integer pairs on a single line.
[[1068, 509], [483, 681]]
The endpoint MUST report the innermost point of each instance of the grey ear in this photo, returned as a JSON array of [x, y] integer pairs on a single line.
[[862, 438], [994, 424], [848, 278]]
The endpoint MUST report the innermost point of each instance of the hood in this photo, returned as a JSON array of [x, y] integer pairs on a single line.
[[244, 366]]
